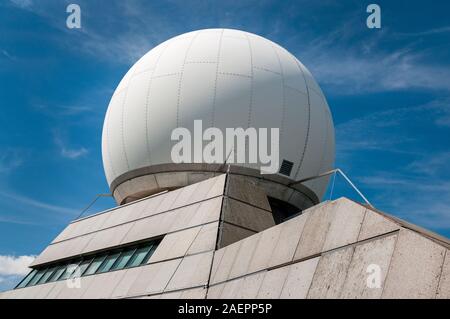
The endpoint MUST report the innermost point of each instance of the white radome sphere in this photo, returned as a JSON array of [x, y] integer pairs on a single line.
[[228, 79]]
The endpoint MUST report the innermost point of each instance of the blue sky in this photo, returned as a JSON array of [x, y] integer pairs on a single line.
[[388, 89]]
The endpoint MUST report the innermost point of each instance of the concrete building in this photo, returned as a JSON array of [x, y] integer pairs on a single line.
[[201, 230]]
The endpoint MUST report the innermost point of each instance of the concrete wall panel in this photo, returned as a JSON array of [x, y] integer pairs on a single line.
[[215, 291], [223, 262], [415, 267], [205, 240], [175, 244], [375, 253], [375, 225], [346, 224], [444, 281], [261, 257], [299, 279], [330, 274], [247, 191], [153, 278], [231, 234], [272, 283], [238, 213], [103, 285], [244, 256], [192, 271], [315, 230], [286, 245], [124, 284]]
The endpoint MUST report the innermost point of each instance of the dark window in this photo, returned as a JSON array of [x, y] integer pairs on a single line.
[[282, 210], [115, 259], [27, 279], [122, 261], [108, 262], [139, 256], [93, 267]]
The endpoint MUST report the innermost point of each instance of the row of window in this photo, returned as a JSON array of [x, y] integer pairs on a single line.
[[126, 257]]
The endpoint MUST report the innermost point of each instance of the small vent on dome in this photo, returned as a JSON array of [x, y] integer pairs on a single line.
[[286, 167]]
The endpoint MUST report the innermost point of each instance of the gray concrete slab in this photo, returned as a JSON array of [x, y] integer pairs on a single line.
[[368, 258], [231, 234], [192, 271], [346, 224], [185, 195], [184, 217], [244, 256], [210, 188], [330, 274], [208, 211], [247, 191], [262, 254], [444, 280], [299, 279], [315, 230], [251, 217], [215, 291], [168, 201], [76, 292], [169, 179], [287, 242], [154, 278], [151, 205], [196, 293], [415, 267], [231, 289], [250, 286], [272, 283], [103, 285], [375, 225], [205, 240], [223, 261], [175, 245], [130, 276], [108, 238]]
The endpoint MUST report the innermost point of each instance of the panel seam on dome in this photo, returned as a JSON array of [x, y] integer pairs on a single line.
[[215, 81], [235, 74], [108, 111], [200, 62], [180, 81], [325, 140], [122, 131], [143, 71], [313, 89], [309, 119], [164, 75], [294, 89], [267, 70], [250, 107], [283, 107], [147, 102]]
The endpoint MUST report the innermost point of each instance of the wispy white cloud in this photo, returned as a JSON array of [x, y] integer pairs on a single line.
[[8, 55], [24, 4], [67, 152], [21, 200], [434, 31], [73, 153], [62, 110], [348, 71], [10, 159], [419, 198]]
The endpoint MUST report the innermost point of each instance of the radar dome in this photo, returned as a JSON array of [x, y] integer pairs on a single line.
[[228, 79]]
